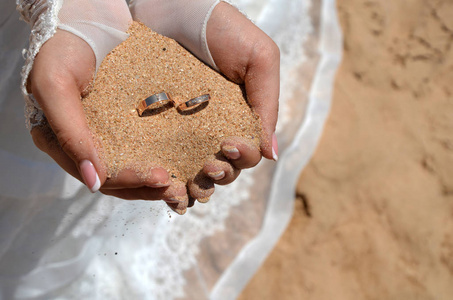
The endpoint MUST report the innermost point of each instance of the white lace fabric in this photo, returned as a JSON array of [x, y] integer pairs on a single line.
[[42, 15]]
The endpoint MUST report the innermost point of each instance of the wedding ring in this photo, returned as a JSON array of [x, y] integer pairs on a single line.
[[192, 103], [152, 102]]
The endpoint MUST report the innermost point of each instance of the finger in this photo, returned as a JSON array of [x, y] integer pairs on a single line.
[[129, 178], [191, 201], [241, 153], [262, 84], [180, 209], [46, 141], [57, 89], [253, 61], [178, 204], [176, 194], [201, 187], [220, 170]]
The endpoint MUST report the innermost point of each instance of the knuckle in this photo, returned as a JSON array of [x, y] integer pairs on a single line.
[[66, 142], [266, 52], [54, 79], [254, 162]]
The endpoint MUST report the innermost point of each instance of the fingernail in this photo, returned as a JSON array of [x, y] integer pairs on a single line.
[[231, 152], [274, 147], [158, 185], [90, 176], [174, 200], [217, 175], [179, 211]]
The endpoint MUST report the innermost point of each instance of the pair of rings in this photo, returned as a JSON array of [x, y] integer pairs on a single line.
[[161, 99]]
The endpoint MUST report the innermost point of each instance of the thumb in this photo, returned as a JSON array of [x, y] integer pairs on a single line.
[[57, 84], [65, 115]]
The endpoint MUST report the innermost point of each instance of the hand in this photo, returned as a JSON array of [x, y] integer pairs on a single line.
[[246, 55], [61, 73]]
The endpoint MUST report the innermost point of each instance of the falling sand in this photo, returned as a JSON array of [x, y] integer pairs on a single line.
[[181, 142]]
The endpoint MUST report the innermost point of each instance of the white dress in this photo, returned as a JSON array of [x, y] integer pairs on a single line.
[[58, 241]]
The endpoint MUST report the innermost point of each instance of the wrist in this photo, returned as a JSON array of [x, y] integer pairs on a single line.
[[184, 21], [101, 24]]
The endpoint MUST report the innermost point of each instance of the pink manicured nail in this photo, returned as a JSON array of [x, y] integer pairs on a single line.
[[231, 152], [159, 185], [274, 147], [90, 176], [217, 175]]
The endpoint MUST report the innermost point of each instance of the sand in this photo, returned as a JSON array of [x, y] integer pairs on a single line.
[[374, 208], [179, 141]]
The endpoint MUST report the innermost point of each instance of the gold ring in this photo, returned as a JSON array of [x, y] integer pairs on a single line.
[[152, 102], [192, 103]]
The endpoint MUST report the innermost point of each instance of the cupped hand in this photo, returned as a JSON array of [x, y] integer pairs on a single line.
[[247, 56], [61, 73]]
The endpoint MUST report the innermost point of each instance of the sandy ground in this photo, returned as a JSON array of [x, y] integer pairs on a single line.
[[374, 207]]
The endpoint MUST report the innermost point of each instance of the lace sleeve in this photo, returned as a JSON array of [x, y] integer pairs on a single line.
[[42, 15]]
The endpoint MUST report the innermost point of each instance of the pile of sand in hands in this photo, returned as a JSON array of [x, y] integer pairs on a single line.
[[148, 63]]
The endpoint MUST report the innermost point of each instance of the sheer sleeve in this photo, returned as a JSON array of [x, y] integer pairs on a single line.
[[182, 20]]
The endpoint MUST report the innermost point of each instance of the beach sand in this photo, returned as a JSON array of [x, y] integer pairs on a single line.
[[374, 207]]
